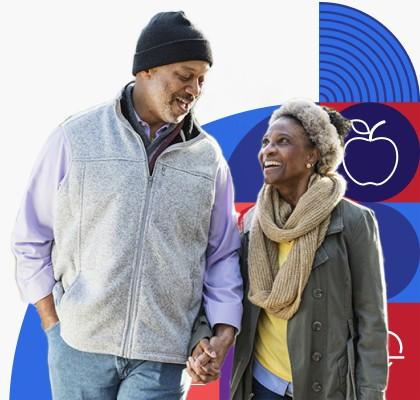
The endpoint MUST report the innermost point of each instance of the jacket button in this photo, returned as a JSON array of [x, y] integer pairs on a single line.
[[316, 356], [317, 293], [316, 326], [316, 387]]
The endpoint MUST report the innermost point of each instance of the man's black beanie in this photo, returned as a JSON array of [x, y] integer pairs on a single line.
[[168, 38]]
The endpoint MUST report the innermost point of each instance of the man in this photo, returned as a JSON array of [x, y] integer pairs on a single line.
[[128, 226]]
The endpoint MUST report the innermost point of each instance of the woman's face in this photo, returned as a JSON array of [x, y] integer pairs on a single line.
[[285, 152]]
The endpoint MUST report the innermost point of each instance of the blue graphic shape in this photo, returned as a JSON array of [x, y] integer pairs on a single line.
[[361, 60], [373, 159], [411, 293], [30, 369], [400, 245], [229, 131], [244, 165]]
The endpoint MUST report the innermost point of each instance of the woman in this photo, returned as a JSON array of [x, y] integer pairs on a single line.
[[314, 324]]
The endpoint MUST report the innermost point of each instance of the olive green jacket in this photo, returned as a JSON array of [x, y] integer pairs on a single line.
[[338, 338]]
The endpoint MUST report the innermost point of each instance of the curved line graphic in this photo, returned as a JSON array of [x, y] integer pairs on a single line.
[[400, 344], [354, 127], [366, 69], [351, 83], [335, 84], [349, 91], [323, 98], [375, 69], [358, 39], [383, 40], [332, 99], [398, 340], [326, 55], [387, 58], [397, 46]]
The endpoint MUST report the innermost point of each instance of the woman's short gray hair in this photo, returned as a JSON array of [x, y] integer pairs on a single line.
[[318, 123]]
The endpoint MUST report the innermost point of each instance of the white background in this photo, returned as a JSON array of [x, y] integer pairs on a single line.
[[58, 58]]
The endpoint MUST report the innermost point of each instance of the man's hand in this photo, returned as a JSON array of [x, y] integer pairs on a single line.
[[46, 311], [198, 364], [208, 356]]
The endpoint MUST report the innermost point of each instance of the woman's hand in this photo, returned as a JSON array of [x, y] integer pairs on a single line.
[[207, 358]]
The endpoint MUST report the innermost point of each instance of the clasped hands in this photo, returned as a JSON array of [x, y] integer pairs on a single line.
[[207, 358]]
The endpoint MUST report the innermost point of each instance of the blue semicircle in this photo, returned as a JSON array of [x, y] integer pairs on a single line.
[[363, 41]]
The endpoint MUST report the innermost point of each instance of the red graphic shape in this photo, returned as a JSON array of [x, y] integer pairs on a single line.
[[204, 392], [404, 321]]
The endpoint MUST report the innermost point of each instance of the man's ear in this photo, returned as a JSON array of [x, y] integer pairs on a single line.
[[146, 74]]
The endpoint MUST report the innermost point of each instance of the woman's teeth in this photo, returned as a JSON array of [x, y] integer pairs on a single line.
[[268, 164]]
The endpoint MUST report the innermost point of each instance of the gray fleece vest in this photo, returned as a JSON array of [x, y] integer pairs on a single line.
[[129, 251]]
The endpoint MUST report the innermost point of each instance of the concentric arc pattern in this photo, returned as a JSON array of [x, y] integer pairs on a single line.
[[360, 59]]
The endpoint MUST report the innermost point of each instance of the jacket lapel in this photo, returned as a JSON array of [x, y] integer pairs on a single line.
[[336, 226]]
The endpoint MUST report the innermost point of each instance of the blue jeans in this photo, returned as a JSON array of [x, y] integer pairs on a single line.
[[78, 375], [262, 393]]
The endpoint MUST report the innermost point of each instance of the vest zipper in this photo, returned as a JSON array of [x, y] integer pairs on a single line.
[[128, 331], [137, 272]]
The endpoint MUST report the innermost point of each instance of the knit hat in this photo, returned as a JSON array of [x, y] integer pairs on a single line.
[[168, 38]]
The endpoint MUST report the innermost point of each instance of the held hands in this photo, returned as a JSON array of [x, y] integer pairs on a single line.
[[207, 357]]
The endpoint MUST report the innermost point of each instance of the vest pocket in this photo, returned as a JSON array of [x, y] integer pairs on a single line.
[[63, 295]]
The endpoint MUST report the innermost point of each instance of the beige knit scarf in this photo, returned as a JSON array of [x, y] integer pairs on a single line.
[[279, 290]]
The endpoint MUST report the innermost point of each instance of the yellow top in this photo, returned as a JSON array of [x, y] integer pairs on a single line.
[[271, 339]]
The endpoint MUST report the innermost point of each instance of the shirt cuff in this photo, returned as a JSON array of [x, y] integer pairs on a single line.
[[39, 286], [224, 313]]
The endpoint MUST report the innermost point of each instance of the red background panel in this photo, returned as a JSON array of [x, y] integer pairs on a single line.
[[404, 373]]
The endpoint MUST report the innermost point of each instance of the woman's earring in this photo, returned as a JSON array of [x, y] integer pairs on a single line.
[[309, 165]]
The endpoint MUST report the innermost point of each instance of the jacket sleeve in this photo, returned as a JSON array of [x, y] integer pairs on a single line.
[[201, 330], [369, 307], [33, 233]]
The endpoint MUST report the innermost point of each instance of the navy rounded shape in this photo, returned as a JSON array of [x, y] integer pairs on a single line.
[[381, 152], [400, 247]]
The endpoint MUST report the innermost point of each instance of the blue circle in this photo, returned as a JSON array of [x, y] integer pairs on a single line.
[[400, 247], [372, 159]]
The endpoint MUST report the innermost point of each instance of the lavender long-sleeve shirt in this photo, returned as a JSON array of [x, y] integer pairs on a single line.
[[33, 236]]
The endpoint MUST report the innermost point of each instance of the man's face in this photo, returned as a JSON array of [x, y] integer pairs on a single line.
[[173, 89]]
